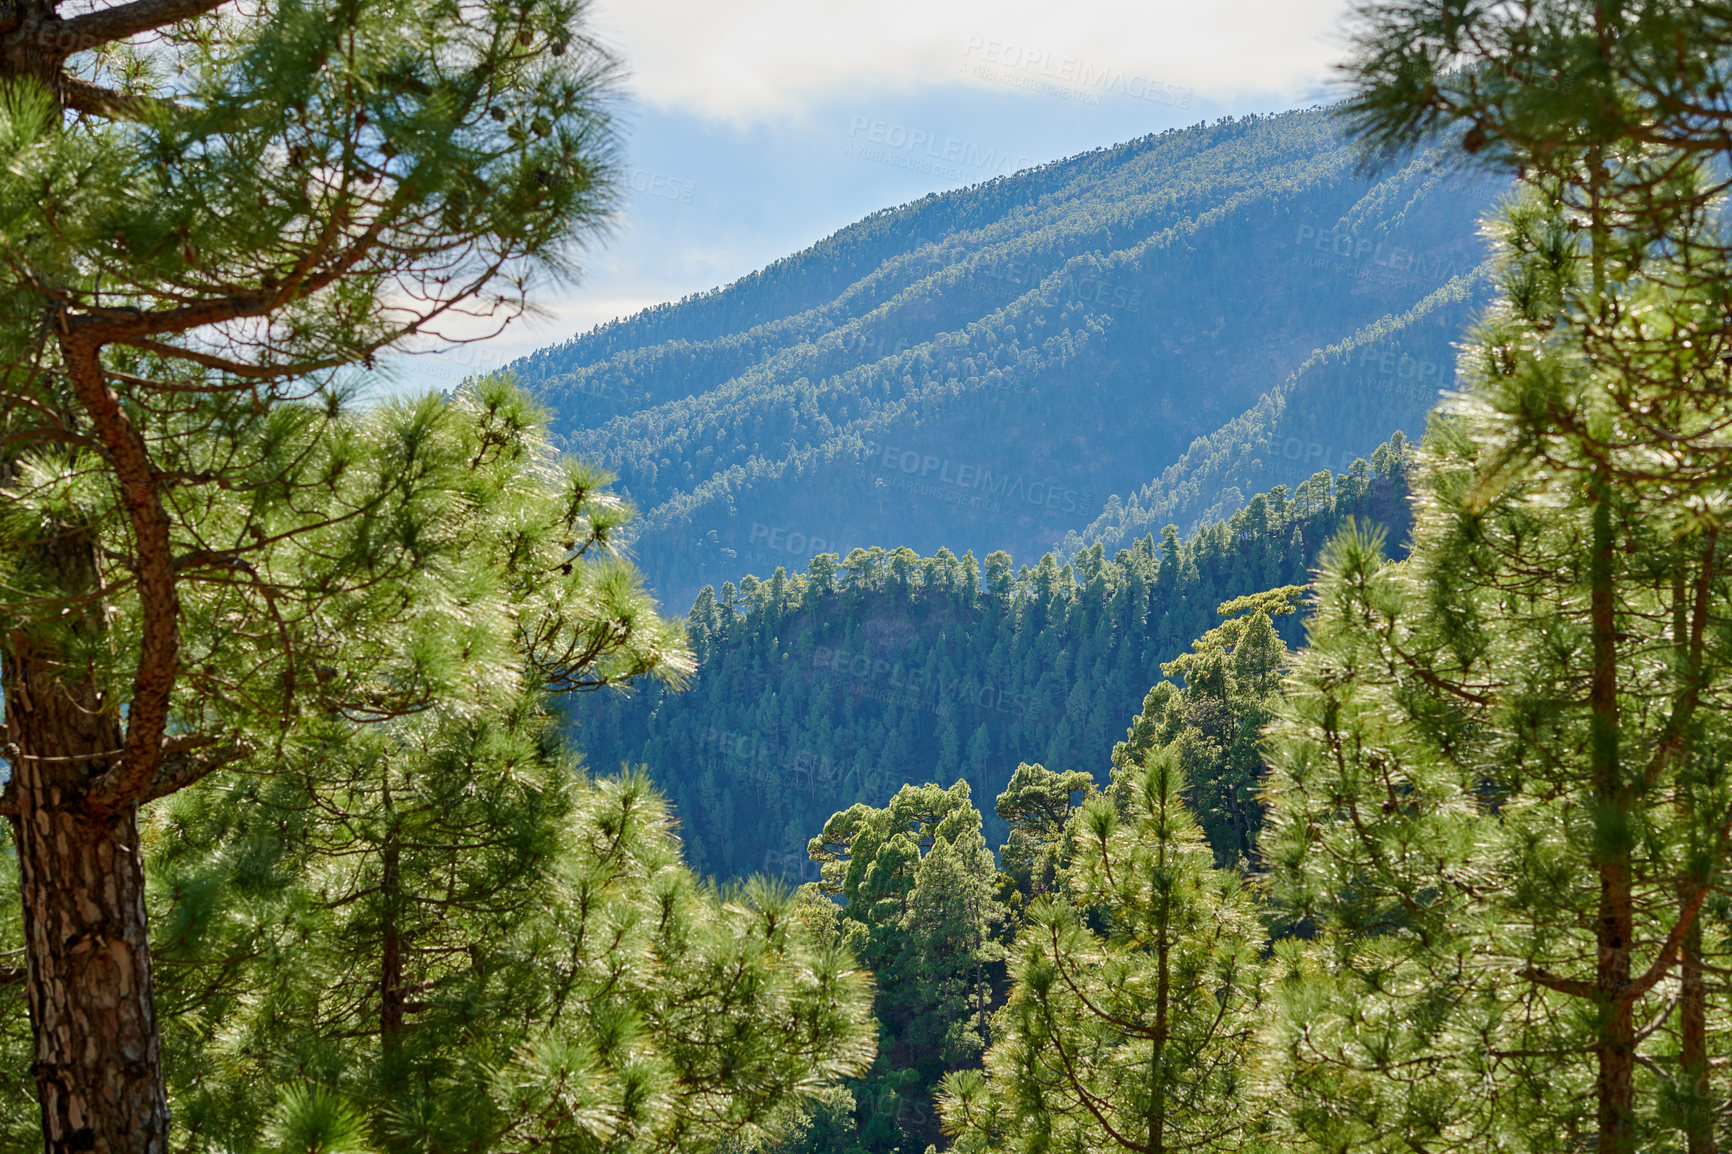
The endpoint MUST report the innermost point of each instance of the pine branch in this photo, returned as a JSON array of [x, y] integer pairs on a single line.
[[93, 29], [83, 96], [159, 605], [182, 765], [1574, 987]]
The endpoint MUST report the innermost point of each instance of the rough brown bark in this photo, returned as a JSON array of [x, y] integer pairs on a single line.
[[79, 772], [153, 564], [35, 40], [1615, 1085], [31, 40], [87, 957], [1693, 1039]]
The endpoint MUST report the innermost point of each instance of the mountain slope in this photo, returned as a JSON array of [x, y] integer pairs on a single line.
[[982, 369], [1387, 375]]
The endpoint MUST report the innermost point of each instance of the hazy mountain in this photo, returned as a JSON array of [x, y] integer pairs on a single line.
[[985, 369]]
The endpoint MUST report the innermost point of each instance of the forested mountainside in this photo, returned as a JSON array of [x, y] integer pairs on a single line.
[[815, 690], [982, 369], [1386, 375]]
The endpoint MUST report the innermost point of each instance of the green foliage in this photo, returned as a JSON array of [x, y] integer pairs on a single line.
[[19, 1127], [314, 1120], [1140, 1035], [920, 911], [1037, 805], [444, 929], [1212, 726], [1500, 791], [1245, 643], [1345, 398], [1037, 343], [420, 550], [449, 143], [836, 686], [430, 932], [188, 266]]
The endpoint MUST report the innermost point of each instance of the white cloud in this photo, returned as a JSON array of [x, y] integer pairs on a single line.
[[750, 60]]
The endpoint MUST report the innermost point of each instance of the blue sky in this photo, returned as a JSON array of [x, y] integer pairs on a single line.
[[755, 127]]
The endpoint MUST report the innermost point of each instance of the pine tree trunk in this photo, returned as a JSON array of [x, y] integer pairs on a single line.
[[88, 968], [391, 997], [1693, 1039], [1615, 1085]]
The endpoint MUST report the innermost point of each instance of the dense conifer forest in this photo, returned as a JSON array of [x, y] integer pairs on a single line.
[[842, 683]]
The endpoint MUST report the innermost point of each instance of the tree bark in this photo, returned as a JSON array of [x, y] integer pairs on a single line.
[[98, 1061], [391, 996], [1693, 1038], [1615, 1085]]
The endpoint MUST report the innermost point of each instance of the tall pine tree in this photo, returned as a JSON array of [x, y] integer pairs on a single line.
[[209, 212], [1500, 795], [1132, 1022], [442, 927], [922, 912]]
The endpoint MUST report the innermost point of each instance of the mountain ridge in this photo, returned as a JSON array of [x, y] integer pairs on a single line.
[[1072, 329]]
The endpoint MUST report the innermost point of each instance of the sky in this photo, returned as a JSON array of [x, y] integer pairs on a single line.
[[754, 128]]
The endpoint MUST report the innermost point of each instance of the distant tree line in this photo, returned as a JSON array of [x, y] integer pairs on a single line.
[[881, 668]]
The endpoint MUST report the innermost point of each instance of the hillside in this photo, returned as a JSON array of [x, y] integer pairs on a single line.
[[841, 684], [986, 368]]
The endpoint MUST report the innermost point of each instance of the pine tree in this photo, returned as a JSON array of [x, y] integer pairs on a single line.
[[1140, 1037], [208, 215], [1213, 723], [1500, 792], [1037, 805], [922, 913], [443, 927]]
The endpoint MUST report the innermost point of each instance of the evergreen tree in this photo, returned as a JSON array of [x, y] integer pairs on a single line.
[[1212, 724], [820, 700], [1140, 1037], [442, 928], [1037, 805], [1500, 794], [921, 912], [1598, 377], [208, 215]]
